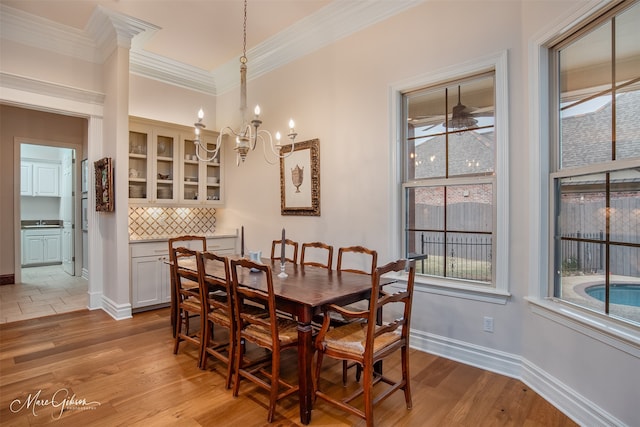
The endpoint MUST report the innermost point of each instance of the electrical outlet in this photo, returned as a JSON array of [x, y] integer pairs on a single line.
[[487, 324]]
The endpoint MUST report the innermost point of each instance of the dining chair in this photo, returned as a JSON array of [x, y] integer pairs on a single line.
[[361, 253], [348, 258], [289, 245], [367, 342], [175, 242], [270, 332], [187, 300], [317, 248], [217, 309]]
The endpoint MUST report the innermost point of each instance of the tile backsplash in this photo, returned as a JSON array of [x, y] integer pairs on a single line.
[[163, 222]]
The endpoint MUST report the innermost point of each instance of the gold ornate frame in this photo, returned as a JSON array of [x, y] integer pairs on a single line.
[[104, 185], [302, 196]]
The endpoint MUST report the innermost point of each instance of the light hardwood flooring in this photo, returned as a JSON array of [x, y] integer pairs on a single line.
[[44, 291], [125, 373]]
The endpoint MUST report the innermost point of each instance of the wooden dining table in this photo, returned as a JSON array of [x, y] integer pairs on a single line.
[[303, 294]]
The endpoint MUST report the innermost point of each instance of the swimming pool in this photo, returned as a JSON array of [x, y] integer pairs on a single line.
[[625, 294]]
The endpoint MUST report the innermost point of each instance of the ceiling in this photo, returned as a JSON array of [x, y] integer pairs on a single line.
[[205, 37]]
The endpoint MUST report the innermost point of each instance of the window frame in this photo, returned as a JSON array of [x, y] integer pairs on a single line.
[[556, 170], [605, 329], [498, 292]]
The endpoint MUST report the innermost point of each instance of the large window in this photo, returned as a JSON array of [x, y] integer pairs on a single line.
[[595, 165], [449, 178]]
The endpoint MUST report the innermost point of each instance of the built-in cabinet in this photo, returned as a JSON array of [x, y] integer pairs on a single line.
[[150, 275], [41, 246], [39, 178], [163, 167]]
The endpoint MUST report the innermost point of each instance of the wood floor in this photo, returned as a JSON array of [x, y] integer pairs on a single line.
[[110, 373]]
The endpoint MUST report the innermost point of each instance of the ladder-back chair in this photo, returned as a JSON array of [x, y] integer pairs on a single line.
[[366, 342], [217, 309], [291, 250], [317, 248], [270, 332]]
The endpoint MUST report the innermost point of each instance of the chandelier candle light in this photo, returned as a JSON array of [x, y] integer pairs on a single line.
[[248, 135]]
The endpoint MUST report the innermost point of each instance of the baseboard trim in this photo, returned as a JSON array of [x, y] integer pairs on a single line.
[[567, 400], [583, 411], [7, 279], [117, 311]]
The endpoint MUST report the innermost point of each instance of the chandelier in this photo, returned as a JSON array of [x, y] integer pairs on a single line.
[[247, 136]]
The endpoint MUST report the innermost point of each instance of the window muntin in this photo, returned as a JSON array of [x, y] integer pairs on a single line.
[[449, 178], [596, 195], [447, 145]]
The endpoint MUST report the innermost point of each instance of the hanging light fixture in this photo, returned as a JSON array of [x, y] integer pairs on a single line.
[[461, 117], [246, 138]]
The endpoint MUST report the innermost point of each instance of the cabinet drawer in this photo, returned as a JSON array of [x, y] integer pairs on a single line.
[[42, 232], [149, 249], [221, 244], [214, 244]]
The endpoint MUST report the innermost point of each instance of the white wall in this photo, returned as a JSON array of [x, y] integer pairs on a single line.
[[340, 95], [156, 100]]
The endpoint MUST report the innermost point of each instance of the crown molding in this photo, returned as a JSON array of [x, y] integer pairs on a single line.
[[156, 67], [34, 31], [107, 29], [110, 29], [328, 25], [41, 87]]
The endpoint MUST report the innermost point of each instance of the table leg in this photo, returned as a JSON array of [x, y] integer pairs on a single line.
[[305, 366]]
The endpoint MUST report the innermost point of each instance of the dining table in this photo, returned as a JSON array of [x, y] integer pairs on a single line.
[[303, 293]]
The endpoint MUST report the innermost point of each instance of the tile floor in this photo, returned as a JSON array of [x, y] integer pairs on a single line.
[[43, 291]]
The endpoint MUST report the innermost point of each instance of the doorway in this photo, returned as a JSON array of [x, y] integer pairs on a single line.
[[47, 202], [50, 270]]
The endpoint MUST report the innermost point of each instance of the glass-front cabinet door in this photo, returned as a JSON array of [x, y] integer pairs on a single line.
[[201, 182], [152, 166], [163, 167], [166, 144], [139, 139]]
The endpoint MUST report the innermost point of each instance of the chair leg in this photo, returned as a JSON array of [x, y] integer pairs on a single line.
[[316, 377], [176, 334], [405, 376], [237, 367], [368, 394], [358, 372], [204, 342], [275, 386], [231, 361], [345, 367]]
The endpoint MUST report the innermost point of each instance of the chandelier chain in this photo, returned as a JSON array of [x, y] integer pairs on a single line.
[[244, 34]]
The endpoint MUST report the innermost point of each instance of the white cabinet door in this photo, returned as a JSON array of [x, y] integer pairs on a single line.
[[52, 249], [41, 247], [26, 179], [146, 281], [150, 278], [201, 181], [153, 171], [33, 250], [46, 180]]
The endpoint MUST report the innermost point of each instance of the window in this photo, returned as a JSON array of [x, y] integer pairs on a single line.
[[595, 165], [450, 168]]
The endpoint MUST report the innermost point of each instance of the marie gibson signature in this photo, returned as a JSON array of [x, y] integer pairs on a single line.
[[60, 401]]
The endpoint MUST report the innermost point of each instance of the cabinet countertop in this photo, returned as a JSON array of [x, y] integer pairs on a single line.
[[164, 239]]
